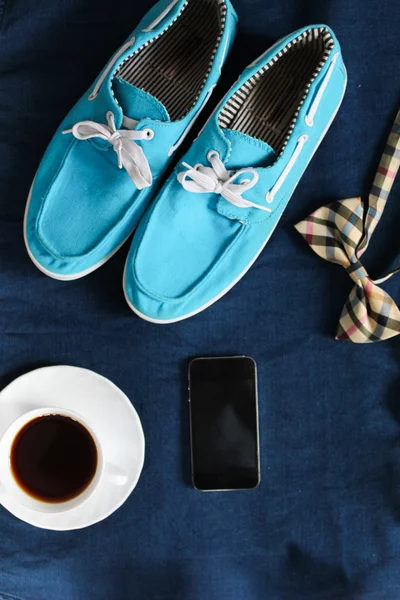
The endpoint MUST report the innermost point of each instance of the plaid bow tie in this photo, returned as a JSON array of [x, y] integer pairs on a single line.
[[340, 233]]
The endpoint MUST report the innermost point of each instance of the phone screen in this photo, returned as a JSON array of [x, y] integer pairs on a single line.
[[224, 423]]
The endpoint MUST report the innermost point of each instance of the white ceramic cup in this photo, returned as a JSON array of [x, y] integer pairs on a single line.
[[10, 486]]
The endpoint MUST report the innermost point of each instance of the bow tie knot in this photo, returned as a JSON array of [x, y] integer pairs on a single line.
[[357, 272]]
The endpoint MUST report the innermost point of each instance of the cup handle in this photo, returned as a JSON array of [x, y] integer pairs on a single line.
[[114, 474]]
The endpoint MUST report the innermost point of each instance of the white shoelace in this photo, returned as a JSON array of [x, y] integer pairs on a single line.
[[130, 155], [218, 179], [317, 100], [109, 66], [269, 196]]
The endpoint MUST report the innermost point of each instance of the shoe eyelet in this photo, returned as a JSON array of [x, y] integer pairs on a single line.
[[212, 154], [92, 96], [149, 133], [245, 181], [309, 121], [303, 138]]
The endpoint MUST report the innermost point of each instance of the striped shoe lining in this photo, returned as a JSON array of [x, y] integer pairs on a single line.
[[267, 105], [174, 66]]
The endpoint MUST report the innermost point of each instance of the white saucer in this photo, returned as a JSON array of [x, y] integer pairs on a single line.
[[112, 415]]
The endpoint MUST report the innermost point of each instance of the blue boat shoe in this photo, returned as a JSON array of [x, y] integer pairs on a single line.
[[217, 211], [104, 163]]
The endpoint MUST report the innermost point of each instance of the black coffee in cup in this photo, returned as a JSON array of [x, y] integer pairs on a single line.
[[53, 458]]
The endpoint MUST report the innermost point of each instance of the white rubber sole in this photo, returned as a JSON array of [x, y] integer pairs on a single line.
[[57, 275], [243, 273]]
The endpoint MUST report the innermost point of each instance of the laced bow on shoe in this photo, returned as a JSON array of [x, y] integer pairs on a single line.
[[130, 155], [219, 180]]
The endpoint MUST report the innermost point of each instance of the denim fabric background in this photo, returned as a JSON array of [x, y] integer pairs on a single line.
[[325, 522]]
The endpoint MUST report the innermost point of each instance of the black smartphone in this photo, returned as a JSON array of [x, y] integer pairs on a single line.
[[224, 423]]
